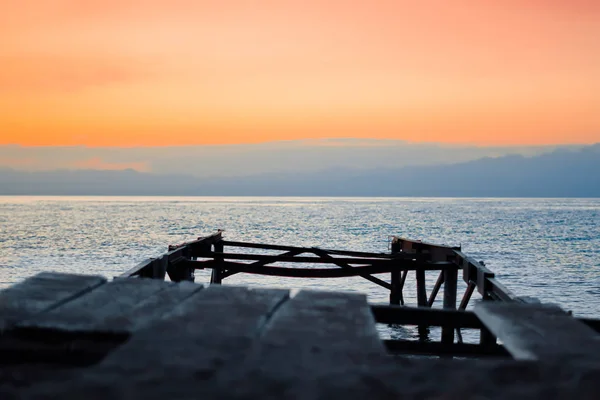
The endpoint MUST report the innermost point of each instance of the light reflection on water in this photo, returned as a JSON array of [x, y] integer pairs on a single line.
[[545, 248]]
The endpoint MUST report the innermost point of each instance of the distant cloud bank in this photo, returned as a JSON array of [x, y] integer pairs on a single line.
[[251, 159], [563, 172]]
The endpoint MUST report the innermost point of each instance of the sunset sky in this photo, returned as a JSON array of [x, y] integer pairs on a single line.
[[178, 72]]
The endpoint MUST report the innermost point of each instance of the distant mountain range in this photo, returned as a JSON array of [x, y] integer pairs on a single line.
[[562, 173]]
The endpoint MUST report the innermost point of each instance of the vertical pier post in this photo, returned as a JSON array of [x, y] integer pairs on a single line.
[[450, 283], [420, 275], [217, 273], [421, 293], [486, 337], [421, 297], [395, 279]]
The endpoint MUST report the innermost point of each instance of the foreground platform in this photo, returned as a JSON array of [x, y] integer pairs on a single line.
[[82, 337]]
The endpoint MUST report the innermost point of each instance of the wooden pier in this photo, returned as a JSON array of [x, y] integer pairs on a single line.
[[139, 336]]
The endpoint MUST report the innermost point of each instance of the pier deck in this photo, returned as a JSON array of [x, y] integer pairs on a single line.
[[82, 336]]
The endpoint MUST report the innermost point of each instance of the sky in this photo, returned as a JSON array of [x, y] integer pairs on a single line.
[[147, 73]]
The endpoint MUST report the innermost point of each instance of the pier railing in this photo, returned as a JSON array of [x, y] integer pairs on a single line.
[[406, 257]]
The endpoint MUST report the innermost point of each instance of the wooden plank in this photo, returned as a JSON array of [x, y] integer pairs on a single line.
[[311, 342], [539, 332], [325, 322], [215, 324], [224, 341], [149, 310], [105, 309], [40, 293]]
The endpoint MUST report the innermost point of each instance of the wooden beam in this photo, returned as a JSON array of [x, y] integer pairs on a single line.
[[467, 296], [139, 269], [436, 289], [377, 281], [463, 305], [428, 316], [539, 332], [216, 276], [403, 279], [441, 349], [215, 237], [303, 272], [305, 249], [316, 260], [258, 264], [431, 252], [498, 291]]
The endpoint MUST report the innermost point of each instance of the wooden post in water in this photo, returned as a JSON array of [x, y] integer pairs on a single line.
[[395, 280], [450, 283], [421, 299], [486, 337], [421, 293], [217, 273]]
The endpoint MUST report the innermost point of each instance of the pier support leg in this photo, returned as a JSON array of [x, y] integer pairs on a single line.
[[396, 292], [422, 302], [396, 280], [421, 293], [450, 283], [487, 338], [217, 273]]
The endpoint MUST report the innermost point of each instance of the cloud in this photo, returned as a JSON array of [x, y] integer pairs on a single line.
[[97, 163], [19, 163], [43, 73], [242, 160]]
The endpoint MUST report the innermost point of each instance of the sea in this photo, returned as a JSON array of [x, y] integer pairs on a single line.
[[548, 249]]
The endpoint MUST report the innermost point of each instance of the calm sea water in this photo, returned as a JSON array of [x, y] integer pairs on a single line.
[[545, 248]]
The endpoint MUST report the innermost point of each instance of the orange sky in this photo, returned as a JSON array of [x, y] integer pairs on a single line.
[[178, 72]]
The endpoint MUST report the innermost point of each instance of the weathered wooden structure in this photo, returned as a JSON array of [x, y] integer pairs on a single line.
[[139, 336]]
